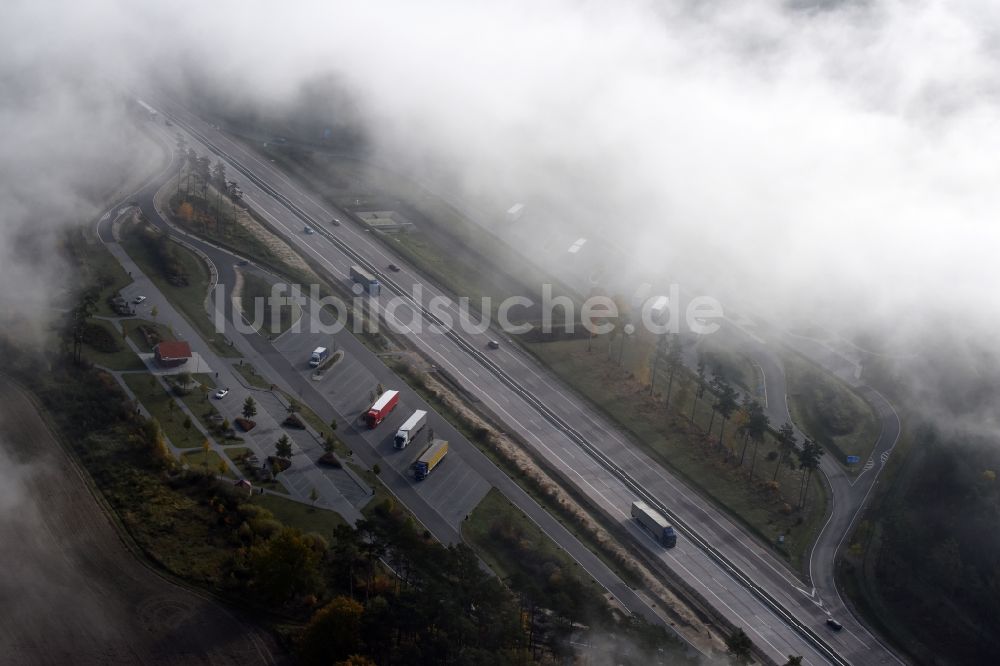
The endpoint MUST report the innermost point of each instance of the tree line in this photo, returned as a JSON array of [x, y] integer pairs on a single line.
[[726, 404], [197, 175]]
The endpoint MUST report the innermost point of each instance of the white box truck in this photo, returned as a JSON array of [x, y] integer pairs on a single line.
[[409, 430], [654, 523], [319, 355]]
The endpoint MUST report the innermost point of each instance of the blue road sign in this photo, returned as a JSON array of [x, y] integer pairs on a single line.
[[853, 460]]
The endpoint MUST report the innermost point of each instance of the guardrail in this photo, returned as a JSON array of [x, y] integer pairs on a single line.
[[599, 456]]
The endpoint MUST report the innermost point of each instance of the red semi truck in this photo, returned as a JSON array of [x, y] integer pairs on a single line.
[[378, 411]]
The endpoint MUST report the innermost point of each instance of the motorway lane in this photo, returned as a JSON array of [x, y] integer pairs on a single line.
[[275, 365], [440, 348], [848, 494]]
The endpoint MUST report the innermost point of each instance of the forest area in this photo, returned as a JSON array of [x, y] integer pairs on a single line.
[[927, 561]]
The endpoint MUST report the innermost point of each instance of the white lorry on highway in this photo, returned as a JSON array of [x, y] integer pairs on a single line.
[[409, 430], [654, 523]]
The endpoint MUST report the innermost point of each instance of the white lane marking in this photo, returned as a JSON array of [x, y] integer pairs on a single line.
[[559, 394], [529, 431], [576, 408], [722, 584]]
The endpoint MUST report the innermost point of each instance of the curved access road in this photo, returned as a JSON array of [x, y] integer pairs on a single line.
[[719, 558]]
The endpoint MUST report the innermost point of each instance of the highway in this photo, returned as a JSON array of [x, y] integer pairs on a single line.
[[442, 501], [763, 344], [725, 564]]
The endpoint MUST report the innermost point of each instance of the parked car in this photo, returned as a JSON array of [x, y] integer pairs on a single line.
[[221, 393], [833, 624], [138, 299]]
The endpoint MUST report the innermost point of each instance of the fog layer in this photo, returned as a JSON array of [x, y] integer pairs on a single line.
[[834, 160]]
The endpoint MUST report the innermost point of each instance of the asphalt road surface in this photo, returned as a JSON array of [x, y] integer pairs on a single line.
[[551, 441], [461, 479]]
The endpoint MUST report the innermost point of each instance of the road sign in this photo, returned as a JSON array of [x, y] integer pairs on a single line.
[[853, 460]]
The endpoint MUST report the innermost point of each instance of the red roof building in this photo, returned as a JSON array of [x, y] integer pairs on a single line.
[[172, 354]]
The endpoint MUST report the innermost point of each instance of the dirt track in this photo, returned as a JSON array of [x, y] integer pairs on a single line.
[[70, 591]]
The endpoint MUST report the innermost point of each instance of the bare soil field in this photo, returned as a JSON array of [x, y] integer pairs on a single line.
[[71, 592]]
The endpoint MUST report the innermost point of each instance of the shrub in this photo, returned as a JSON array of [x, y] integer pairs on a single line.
[[293, 421], [265, 527], [100, 338]]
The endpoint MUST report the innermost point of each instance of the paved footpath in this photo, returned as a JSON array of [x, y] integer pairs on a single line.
[[304, 476]]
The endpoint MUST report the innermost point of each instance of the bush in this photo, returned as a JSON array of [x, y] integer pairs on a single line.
[[246, 425], [100, 338], [293, 421], [265, 527], [330, 459]]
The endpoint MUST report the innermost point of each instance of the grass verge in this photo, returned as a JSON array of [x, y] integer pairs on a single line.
[[520, 553], [299, 515], [689, 450], [199, 402], [307, 414], [249, 373], [187, 286], [147, 334], [545, 500], [121, 359], [256, 287], [211, 462], [99, 267], [163, 408], [828, 410]]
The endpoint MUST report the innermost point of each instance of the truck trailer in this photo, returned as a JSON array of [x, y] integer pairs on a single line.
[[319, 355], [430, 459], [381, 408], [409, 430], [654, 523], [370, 283]]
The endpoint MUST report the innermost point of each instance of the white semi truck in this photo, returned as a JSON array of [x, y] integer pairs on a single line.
[[408, 431], [654, 523]]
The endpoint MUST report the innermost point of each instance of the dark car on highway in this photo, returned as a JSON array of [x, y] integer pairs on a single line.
[[833, 624]]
